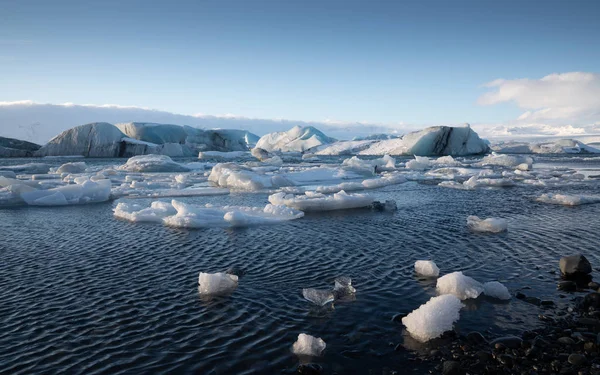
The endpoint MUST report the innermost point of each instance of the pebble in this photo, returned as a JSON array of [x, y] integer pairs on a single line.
[[576, 359]]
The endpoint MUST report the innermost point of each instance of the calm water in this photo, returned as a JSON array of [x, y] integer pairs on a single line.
[[82, 292]]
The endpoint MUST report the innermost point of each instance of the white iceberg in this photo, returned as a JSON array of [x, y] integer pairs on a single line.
[[320, 202], [433, 141], [82, 192], [568, 200], [297, 139], [342, 147], [433, 318], [216, 284], [561, 146], [492, 224], [463, 287], [308, 345], [427, 268], [152, 163], [136, 213], [496, 289], [508, 161]]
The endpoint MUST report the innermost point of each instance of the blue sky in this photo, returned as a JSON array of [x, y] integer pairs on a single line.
[[421, 62]]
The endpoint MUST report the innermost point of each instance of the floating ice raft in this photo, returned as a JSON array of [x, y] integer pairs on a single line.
[[311, 201]]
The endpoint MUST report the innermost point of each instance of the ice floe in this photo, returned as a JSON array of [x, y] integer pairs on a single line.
[[216, 284], [496, 289], [492, 224], [308, 345], [153, 163], [82, 192], [427, 268], [462, 286], [567, 199], [433, 318], [311, 201]]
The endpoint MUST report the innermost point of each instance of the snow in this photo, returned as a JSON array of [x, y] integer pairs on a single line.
[[319, 297], [437, 140], [308, 345], [297, 139], [78, 167], [216, 284], [152, 163], [320, 202], [462, 286], [568, 200], [84, 191], [496, 289], [427, 268], [433, 318], [223, 155], [492, 224]]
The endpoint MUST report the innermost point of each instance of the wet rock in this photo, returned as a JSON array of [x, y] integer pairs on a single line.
[[512, 342], [310, 369], [567, 286], [520, 295], [352, 353], [483, 356], [591, 300], [574, 265], [577, 359], [589, 321], [594, 285], [547, 303], [451, 368], [540, 342], [506, 359], [476, 338], [566, 341], [533, 300]]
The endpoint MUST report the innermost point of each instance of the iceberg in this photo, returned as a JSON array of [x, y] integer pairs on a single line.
[[320, 202], [297, 139], [342, 147], [463, 287], [561, 146], [220, 155], [99, 139], [427, 268], [16, 148], [152, 163], [382, 164], [308, 345], [433, 318], [319, 297], [216, 284], [433, 141], [496, 289], [492, 224], [82, 192], [508, 161], [134, 212], [568, 200]]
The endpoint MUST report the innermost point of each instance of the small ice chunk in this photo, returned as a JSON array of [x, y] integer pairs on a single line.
[[343, 287], [308, 345], [462, 286], [496, 289], [433, 318], [427, 268], [568, 200], [78, 167], [214, 284], [319, 297], [492, 224], [311, 201]]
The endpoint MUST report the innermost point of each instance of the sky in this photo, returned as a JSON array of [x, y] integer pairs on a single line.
[[507, 67]]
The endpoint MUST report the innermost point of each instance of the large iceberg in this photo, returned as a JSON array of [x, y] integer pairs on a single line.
[[433, 141], [99, 139], [311, 201], [297, 139], [15, 148], [433, 318]]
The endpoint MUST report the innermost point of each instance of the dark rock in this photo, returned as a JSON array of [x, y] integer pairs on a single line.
[[577, 359], [547, 303], [589, 347], [398, 317], [520, 295], [594, 286], [540, 342], [589, 321], [567, 286], [575, 265], [310, 369], [566, 341], [352, 353], [484, 356], [591, 300], [476, 338], [506, 359], [533, 300], [378, 206], [451, 368], [511, 342]]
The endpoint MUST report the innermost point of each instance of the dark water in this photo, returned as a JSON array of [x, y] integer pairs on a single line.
[[82, 292]]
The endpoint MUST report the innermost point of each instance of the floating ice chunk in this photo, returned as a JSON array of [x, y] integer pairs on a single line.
[[134, 212], [8, 174], [78, 167], [85, 191], [260, 154], [320, 202], [392, 179], [308, 345], [475, 182], [319, 297], [216, 284], [568, 200], [153, 163], [419, 163], [506, 160], [427, 268], [236, 177], [433, 318], [496, 289], [297, 139], [223, 155], [385, 163], [462, 286], [492, 224], [343, 287], [29, 168]]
